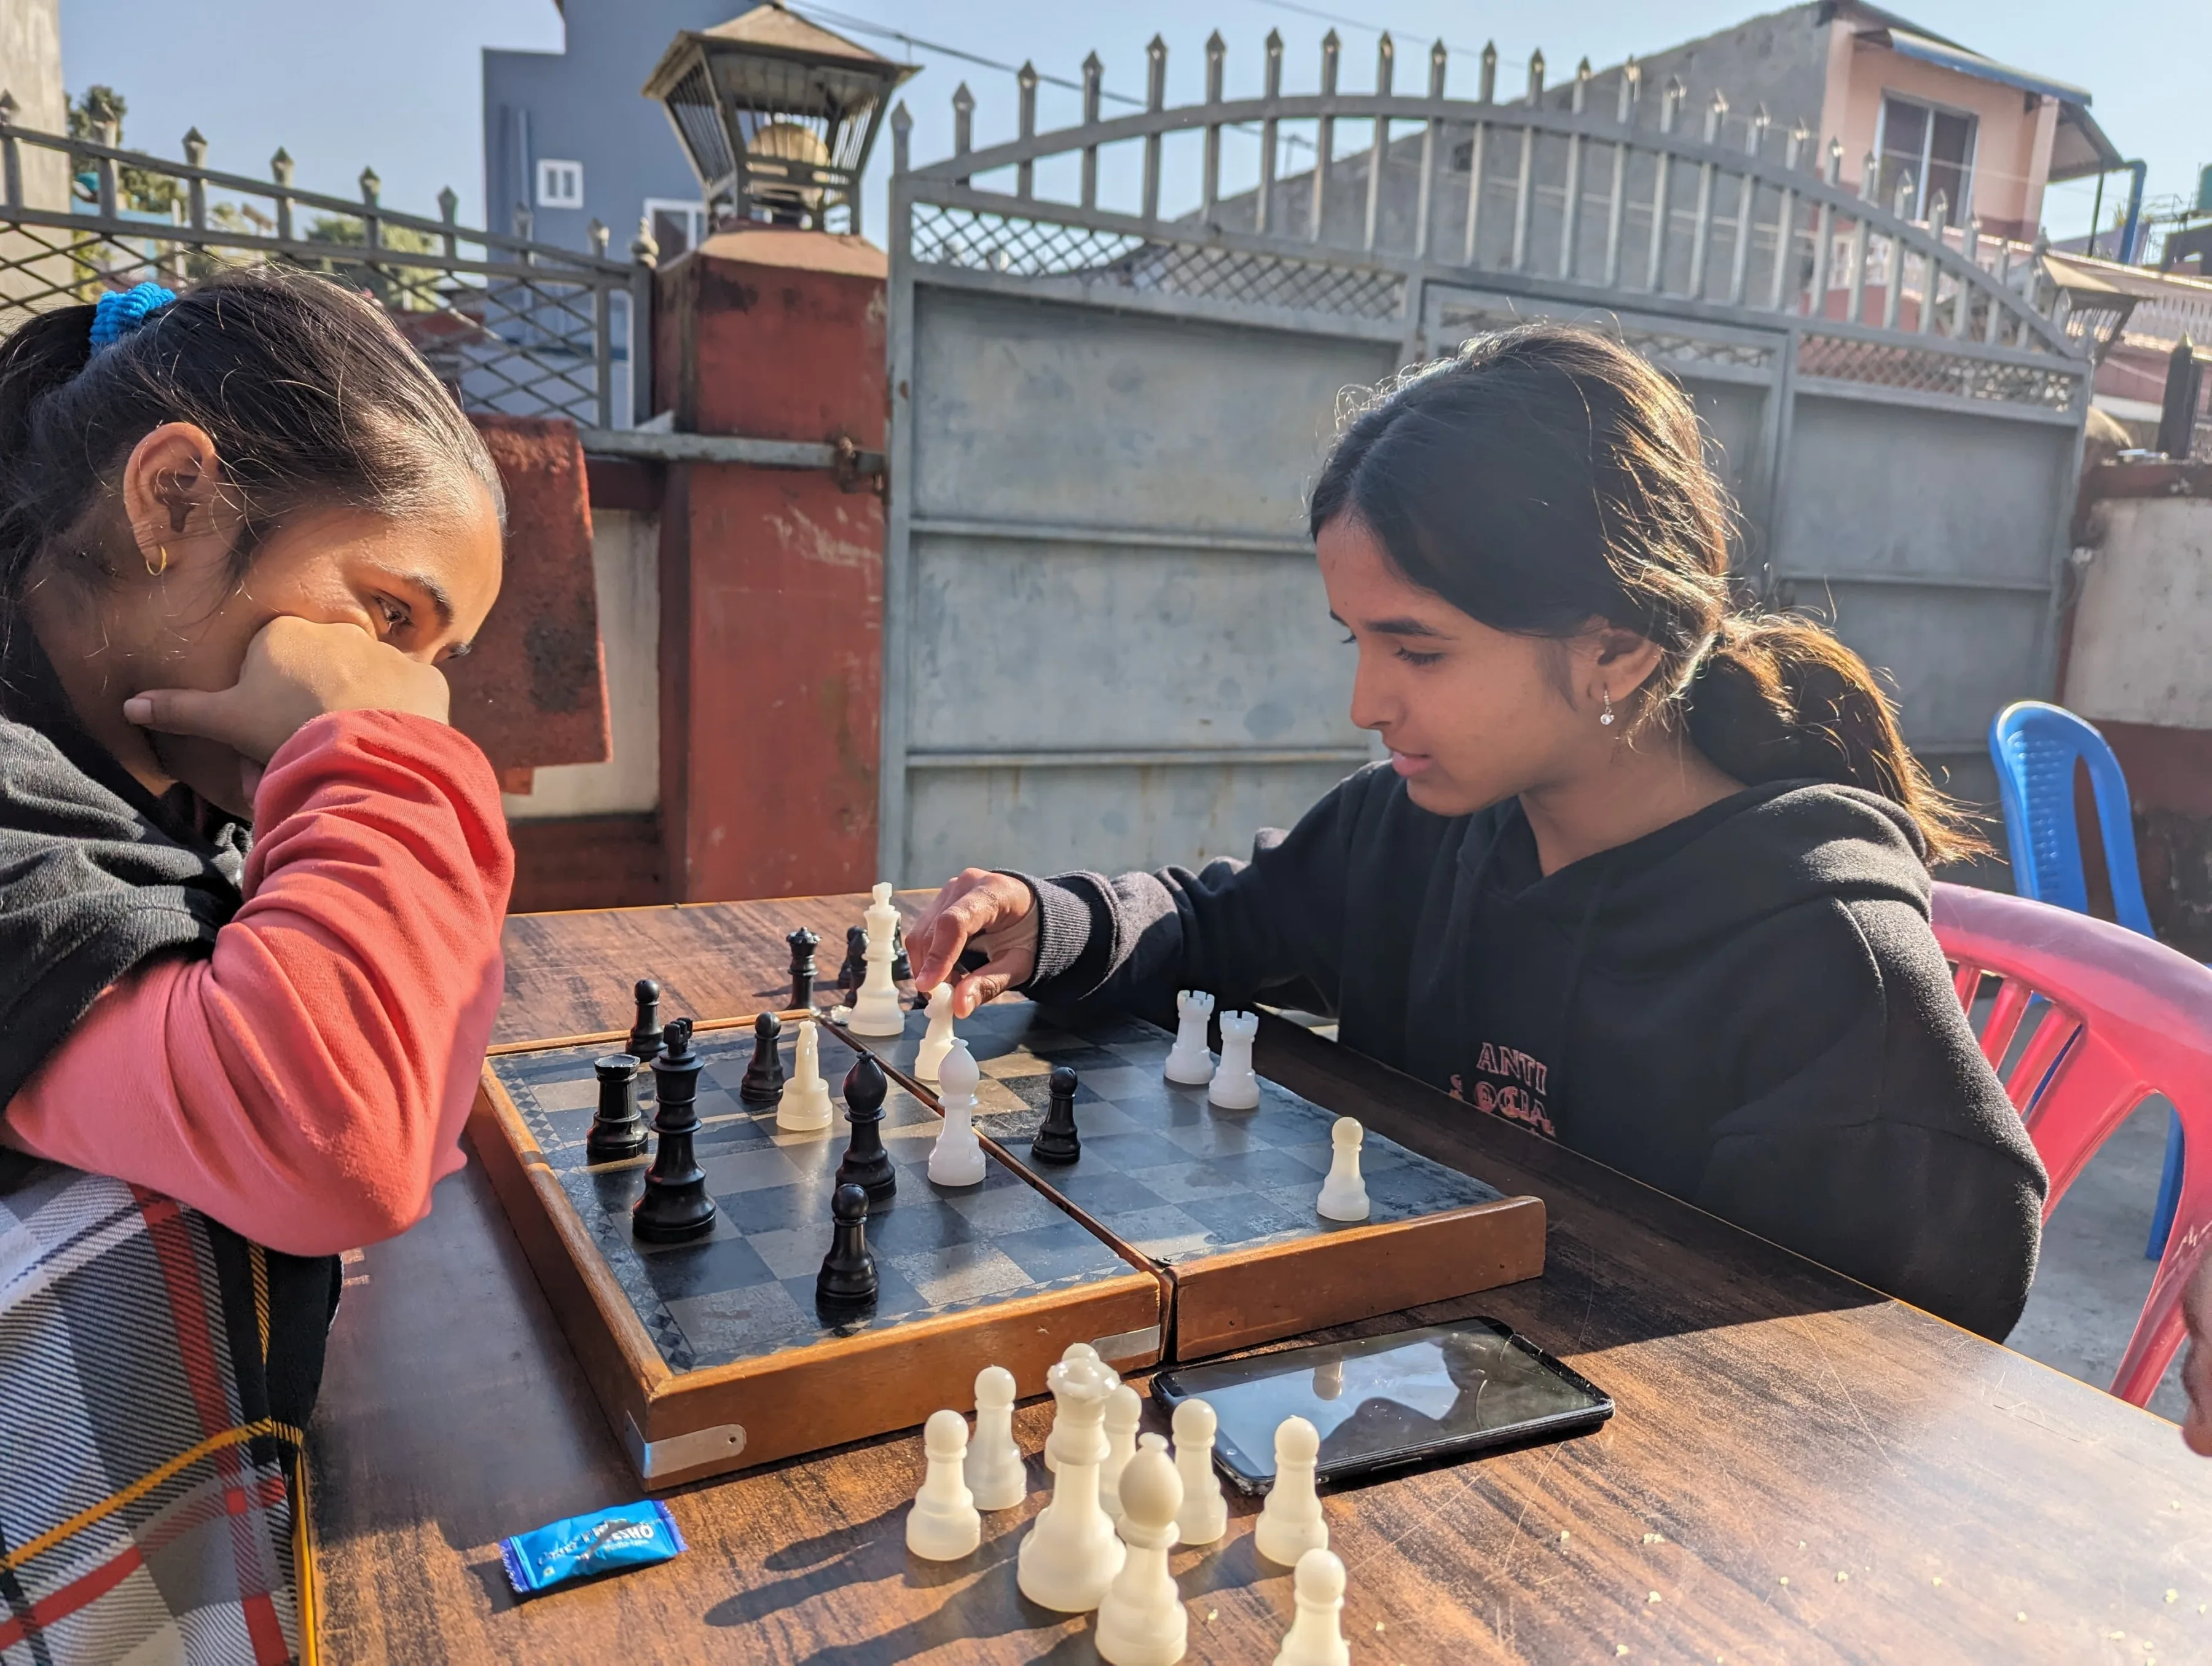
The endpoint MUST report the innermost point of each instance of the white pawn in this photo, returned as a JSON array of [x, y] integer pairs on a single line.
[[943, 1525], [1236, 1085], [1069, 1554], [1344, 1194], [1141, 1622], [1188, 1062], [1290, 1521], [1124, 1410], [1204, 1514], [875, 1010], [939, 1040], [956, 1159], [1317, 1634], [993, 1469], [804, 1105]]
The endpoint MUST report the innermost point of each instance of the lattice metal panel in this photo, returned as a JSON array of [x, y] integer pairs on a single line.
[[523, 343], [1028, 247], [1931, 370], [1662, 347]]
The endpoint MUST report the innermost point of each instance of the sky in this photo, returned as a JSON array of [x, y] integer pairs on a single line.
[[397, 84]]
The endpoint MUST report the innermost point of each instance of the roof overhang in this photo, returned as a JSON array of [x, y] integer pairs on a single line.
[[2080, 148], [1908, 43]]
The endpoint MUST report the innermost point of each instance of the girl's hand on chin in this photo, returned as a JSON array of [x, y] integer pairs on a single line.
[[295, 671]]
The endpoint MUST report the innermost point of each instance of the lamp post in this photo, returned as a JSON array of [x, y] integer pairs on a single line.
[[777, 116]]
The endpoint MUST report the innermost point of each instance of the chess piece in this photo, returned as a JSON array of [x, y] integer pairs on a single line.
[[675, 1207], [993, 1470], [645, 1031], [617, 1131], [763, 1079], [902, 968], [939, 1040], [1124, 1410], [1203, 1515], [1141, 1621], [847, 1278], [1290, 1521], [1328, 1380], [803, 944], [1236, 1085], [1069, 1554], [1055, 1140], [855, 970], [804, 1105], [943, 1525], [1188, 1062], [1317, 1634], [1344, 1194], [956, 1159], [875, 1010], [866, 1163], [1072, 1352]]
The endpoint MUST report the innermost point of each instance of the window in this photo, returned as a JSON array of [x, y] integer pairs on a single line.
[[1934, 146], [677, 226], [560, 185]]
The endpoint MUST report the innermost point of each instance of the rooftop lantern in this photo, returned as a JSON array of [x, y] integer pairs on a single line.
[[777, 116]]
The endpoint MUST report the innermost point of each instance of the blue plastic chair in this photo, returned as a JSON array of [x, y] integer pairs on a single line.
[[2035, 747]]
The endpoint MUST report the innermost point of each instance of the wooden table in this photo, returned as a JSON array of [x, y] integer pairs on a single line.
[[1800, 1470]]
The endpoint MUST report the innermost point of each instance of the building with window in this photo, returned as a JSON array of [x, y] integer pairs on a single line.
[[1986, 136], [570, 137]]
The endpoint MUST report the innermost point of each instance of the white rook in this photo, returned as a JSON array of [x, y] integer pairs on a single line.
[[1236, 1085]]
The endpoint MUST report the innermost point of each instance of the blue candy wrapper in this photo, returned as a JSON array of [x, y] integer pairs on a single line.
[[604, 1542]]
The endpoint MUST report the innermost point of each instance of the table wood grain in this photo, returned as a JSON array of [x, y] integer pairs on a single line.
[[1799, 1470]]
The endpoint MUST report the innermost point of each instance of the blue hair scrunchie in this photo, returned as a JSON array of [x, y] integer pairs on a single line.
[[120, 312]]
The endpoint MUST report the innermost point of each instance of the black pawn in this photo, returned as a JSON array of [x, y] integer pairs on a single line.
[[675, 1207], [848, 1271], [764, 1082], [866, 1163], [902, 968], [855, 971], [617, 1131], [645, 1034], [1055, 1140], [803, 944]]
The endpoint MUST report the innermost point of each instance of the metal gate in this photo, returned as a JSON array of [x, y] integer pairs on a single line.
[[1106, 642]]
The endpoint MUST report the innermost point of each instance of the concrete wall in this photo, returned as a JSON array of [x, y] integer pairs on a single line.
[[625, 563], [31, 69]]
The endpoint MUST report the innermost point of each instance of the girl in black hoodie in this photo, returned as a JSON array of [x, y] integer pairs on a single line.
[[1644, 874]]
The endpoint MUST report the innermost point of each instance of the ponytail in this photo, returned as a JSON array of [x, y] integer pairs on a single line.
[[1778, 698], [45, 354], [1545, 477]]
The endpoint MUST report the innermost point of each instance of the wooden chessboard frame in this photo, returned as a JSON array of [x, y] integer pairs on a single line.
[[680, 1427], [1241, 1298]]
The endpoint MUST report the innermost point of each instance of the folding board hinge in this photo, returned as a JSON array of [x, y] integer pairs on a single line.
[[1129, 1344], [717, 1444]]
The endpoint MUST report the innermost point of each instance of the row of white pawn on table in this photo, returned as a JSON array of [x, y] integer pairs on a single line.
[[1119, 1502]]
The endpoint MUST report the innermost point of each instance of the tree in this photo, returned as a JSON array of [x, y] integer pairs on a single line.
[[97, 117]]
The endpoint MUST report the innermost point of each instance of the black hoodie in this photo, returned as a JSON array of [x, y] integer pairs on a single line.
[[1747, 1009]]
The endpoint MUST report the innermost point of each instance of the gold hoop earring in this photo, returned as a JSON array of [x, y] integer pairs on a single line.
[[1605, 716], [155, 572]]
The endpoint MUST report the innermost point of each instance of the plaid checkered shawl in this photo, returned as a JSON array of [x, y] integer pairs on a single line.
[[152, 1500]]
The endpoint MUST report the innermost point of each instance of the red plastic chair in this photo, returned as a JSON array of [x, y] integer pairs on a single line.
[[2127, 1018]]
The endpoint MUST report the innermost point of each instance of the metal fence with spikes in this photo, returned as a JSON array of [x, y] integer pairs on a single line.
[[511, 324], [1109, 342]]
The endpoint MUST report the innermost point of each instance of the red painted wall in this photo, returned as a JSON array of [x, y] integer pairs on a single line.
[[771, 581]]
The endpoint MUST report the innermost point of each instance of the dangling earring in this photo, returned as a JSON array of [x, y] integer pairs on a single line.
[[1605, 716], [153, 571]]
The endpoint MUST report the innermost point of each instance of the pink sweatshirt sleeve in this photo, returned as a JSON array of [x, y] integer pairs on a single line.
[[306, 1085]]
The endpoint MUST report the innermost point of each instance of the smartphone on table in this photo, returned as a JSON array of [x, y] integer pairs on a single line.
[[1381, 1402]]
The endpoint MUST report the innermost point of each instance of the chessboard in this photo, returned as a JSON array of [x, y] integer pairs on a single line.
[[1222, 1202], [713, 1355]]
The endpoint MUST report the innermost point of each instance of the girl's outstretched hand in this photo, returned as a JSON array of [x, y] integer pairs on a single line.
[[295, 671], [998, 913]]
